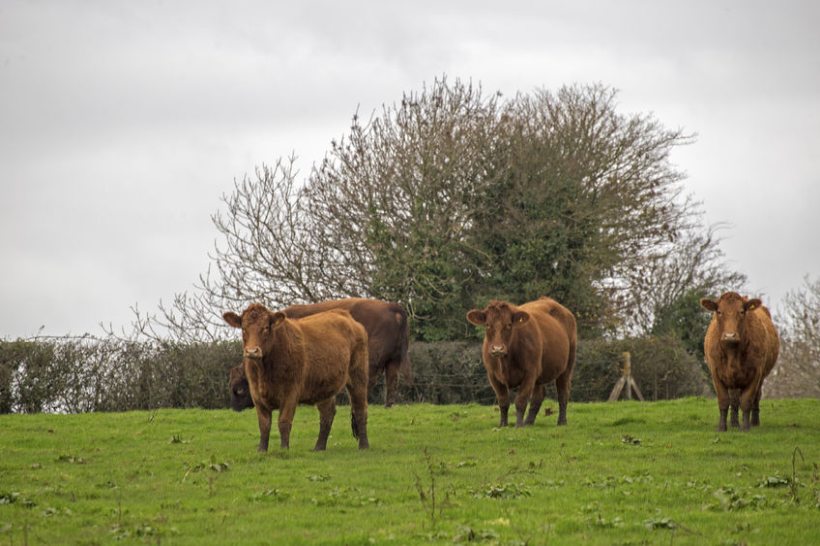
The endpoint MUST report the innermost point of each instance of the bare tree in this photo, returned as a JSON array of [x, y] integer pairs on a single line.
[[679, 274], [797, 372], [453, 196], [268, 253]]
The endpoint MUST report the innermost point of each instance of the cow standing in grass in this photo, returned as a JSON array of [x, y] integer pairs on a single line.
[[741, 347], [526, 347], [387, 334], [303, 361]]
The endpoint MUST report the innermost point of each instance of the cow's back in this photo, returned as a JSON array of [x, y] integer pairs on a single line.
[[385, 322], [330, 340], [556, 329], [771, 344]]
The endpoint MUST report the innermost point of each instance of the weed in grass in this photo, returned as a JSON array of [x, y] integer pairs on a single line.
[[273, 494], [660, 523], [815, 485], [71, 459], [774, 481], [794, 486], [730, 499], [630, 440], [502, 491], [468, 534], [427, 496]]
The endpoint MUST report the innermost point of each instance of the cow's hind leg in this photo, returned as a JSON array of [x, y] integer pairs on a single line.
[[538, 394], [357, 390], [391, 383], [747, 398], [327, 411], [562, 386], [756, 407], [525, 392]]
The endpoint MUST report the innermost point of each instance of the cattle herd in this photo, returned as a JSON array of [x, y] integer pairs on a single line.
[[308, 354]]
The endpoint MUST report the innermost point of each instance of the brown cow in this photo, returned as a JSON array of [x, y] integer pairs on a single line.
[[307, 361], [527, 347], [741, 347], [386, 325]]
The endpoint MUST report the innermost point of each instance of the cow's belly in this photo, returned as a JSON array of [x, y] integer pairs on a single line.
[[512, 378], [322, 388]]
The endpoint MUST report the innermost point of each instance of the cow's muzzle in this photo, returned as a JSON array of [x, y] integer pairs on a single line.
[[498, 350], [730, 338], [254, 352]]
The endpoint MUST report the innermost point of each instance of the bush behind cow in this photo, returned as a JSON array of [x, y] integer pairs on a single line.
[[741, 347], [303, 361]]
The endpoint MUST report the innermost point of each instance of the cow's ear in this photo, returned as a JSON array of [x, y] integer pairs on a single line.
[[708, 304], [752, 304], [520, 317], [276, 318], [232, 319], [477, 317]]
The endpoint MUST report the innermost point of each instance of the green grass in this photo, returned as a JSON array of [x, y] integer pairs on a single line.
[[623, 473]]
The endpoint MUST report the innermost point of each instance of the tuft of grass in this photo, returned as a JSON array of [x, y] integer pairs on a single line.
[[620, 473]]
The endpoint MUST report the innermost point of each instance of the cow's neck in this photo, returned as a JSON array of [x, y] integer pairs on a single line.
[[734, 355], [285, 341]]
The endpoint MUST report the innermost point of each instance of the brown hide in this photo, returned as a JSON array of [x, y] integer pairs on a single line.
[[525, 347], [741, 347], [387, 333], [303, 361]]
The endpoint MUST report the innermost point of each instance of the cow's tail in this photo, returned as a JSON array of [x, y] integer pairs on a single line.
[[405, 369]]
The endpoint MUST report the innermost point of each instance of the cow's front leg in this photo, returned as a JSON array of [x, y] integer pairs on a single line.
[[502, 395], [723, 400], [263, 414], [286, 413], [734, 405]]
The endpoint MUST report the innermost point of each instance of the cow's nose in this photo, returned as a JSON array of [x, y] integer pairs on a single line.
[[497, 350], [730, 337], [254, 352]]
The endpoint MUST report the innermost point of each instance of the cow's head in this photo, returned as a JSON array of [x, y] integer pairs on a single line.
[[730, 312], [240, 390], [257, 325], [500, 320]]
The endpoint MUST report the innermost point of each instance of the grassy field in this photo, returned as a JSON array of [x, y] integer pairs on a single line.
[[624, 473]]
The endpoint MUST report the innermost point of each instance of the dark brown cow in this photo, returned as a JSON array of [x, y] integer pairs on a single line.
[[741, 347], [303, 361], [526, 347], [386, 325], [240, 390]]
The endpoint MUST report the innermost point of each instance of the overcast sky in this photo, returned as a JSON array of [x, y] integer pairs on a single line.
[[122, 123]]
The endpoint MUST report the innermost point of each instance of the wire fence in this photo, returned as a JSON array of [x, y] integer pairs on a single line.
[[87, 374]]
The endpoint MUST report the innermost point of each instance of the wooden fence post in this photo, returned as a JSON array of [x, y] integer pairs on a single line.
[[626, 380]]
